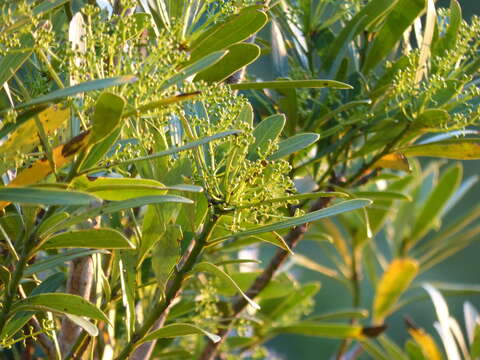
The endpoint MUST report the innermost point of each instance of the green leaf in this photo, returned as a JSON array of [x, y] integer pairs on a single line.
[[314, 266], [106, 117], [460, 149], [291, 84], [368, 15], [60, 303], [394, 282], [235, 29], [15, 323], [128, 283], [449, 39], [166, 254], [475, 347], [331, 330], [215, 270], [90, 238], [56, 260], [194, 68], [60, 94], [382, 195], [86, 325], [336, 209], [172, 150], [118, 206], [293, 144], [176, 330], [432, 209], [37, 196], [432, 119], [397, 21], [265, 132], [238, 56], [341, 314]]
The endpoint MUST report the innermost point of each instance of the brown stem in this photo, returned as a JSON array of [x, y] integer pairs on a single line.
[[292, 239]]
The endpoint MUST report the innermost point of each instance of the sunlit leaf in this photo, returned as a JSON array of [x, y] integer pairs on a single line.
[[290, 84], [89, 238], [394, 161], [394, 282], [460, 149]]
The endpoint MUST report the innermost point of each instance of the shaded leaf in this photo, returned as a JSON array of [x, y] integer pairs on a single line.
[[27, 195], [336, 209], [331, 330], [264, 133], [106, 116], [238, 56], [60, 303], [176, 330], [215, 270], [290, 84], [166, 254]]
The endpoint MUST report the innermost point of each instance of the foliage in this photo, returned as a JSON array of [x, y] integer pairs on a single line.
[[140, 161]]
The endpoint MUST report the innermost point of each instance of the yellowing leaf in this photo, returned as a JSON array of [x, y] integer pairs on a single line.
[[393, 283], [25, 137], [424, 341], [394, 161], [41, 169], [460, 149]]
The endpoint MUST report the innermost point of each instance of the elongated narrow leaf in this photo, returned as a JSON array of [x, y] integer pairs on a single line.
[[331, 330], [393, 283], [86, 325], [27, 195], [215, 270], [443, 315], [428, 34], [166, 253], [57, 260], [308, 263], [435, 203], [264, 133], [382, 195], [291, 84], [25, 137], [156, 104], [118, 206], [235, 29], [341, 314], [336, 209], [304, 196], [60, 94], [194, 68], [397, 21], [293, 144], [369, 14], [40, 169], [15, 323], [90, 238], [128, 283], [60, 303], [176, 330], [294, 300], [118, 189], [425, 342], [239, 56], [173, 150], [460, 149], [106, 117]]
